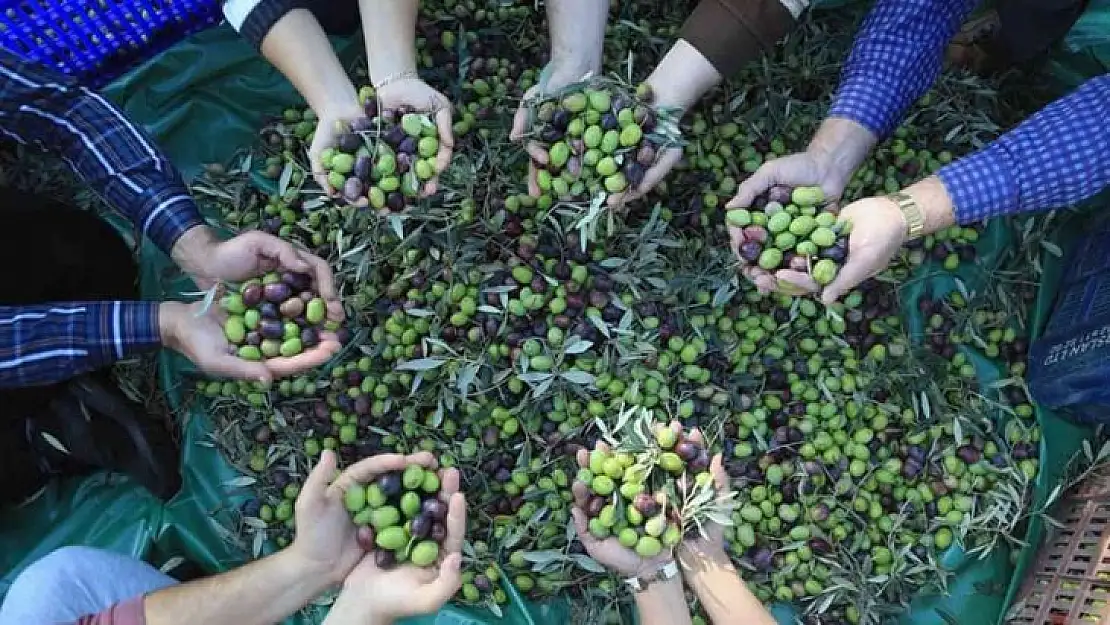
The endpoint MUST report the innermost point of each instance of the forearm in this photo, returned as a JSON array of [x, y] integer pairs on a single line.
[[724, 596], [1057, 158], [389, 27], [895, 59], [663, 603], [347, 611], [841, 145], [109, 153], [262, 592], [46, 344], [577, 30], [299, 48]]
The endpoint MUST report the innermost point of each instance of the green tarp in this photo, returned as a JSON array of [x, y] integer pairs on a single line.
[[202, 100]]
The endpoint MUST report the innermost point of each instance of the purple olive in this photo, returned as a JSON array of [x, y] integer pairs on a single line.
[[307, 296], [364, 167], [292, 307], [394, 136], [646, 505], [395, 202], [434, 508], [385, 559], [349, 142], [560, 119], [686, 450], [276, 292], [420, 527], [371, 109], [252, 295], [780, 194], [968, 454], [408, 146], [297, 281], [837, 253], [750, 251], [819, 513], [574, 166], [609, 122], [646, 155], [482, 583], [503, 475], [634, 172], [763, 559], [551, 135], [361, 404], [594, 505], [700, 462], [390, 484], [352, 189], [269, 310], [490, 436], [599, 299], [254, 338], [271, 329]]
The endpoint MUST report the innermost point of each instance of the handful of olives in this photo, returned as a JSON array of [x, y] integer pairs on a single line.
[[639, 497], [276, 315], [385, 158], [405, 514], [792, 229], [597, 137]]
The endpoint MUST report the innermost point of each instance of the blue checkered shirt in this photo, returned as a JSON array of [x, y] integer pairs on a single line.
[[1057, 158], [53, 342]]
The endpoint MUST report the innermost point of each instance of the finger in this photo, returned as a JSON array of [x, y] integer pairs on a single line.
[[284, 367], [736, 239], [424, 459], [581, 493], [858, 268], [537, 152], [534, 189], [446, 138], [316, 484], [653, 176], [720, 476], [584, 536], [439, 591], [231, 366], [455, 524], [449, 483], [794, 282], [322, 275], [520, 123], [600, 446], [430, 187], [277, 250], [696, 436], [583, 458], [366, 470], [756, 184]]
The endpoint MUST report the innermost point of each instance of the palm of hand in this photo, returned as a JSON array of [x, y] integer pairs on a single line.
[[390, 592], [612, 555], [328, 535]]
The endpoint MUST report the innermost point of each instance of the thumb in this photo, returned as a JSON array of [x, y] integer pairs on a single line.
[[757, 183], [520, 123], [229, 366], [858, 268], [445, 585], [316, 484]]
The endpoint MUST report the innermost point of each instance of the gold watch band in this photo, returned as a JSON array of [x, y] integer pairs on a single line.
[[915, 218]]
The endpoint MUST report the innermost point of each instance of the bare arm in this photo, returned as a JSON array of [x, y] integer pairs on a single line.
[[577, 34], [663, 603], [389, 27], [722, 593]]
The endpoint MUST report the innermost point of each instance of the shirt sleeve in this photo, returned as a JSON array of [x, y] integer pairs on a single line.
[[895, 59], [54, 342], [1057, 158], [253, 19], [730, 33], [130, 612], [107, 151]]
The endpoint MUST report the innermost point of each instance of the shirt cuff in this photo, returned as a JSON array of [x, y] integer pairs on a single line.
[[867, 101], [117, 330], [981, 185], [253, 19], [167, 212]]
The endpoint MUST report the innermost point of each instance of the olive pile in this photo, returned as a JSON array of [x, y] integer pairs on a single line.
[[638, 497], [598, 139], [277, 315], [405, 514], [386, 158], [787, 229]]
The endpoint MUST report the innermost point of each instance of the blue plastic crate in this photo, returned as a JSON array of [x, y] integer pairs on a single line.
[[1069, 366], [97, 40]]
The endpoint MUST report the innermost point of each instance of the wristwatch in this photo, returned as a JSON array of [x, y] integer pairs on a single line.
[[668, 572], [915, 218]]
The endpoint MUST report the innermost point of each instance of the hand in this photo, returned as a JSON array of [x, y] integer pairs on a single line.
[[251, 254], [327, 540], [374, 595], [711, 542], [416, 93], [787, 281], [665, 161], [560, 73], [198, 334], [609, 552], [878, 230], [330, 123]]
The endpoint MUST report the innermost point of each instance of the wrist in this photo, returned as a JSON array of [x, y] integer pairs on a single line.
[[299, 558], [682, 77], [350, 608], [840, 145], [169, 319], [935, 203], [193, 249]]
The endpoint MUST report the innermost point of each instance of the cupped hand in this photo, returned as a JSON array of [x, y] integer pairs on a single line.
[[417, 94], [877, 231], [804, 169], [326, 539], [372, 594], [665, 161], [331, 123], [609, 552]]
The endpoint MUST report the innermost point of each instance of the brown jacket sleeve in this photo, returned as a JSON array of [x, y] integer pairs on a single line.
[[730, 33]]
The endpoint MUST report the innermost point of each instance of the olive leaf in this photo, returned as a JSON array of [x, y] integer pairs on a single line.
[[420, 364]]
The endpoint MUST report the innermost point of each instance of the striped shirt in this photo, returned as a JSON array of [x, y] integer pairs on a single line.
[[42, 108], [1057, 158]]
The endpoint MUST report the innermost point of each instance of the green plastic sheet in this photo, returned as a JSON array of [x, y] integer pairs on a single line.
[[205, 98]]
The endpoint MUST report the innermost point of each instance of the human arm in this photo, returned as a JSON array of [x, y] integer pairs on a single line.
[[1054, 159]]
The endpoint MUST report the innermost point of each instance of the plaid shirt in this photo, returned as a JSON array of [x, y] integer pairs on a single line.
[[1057, 158], [49, 343]]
